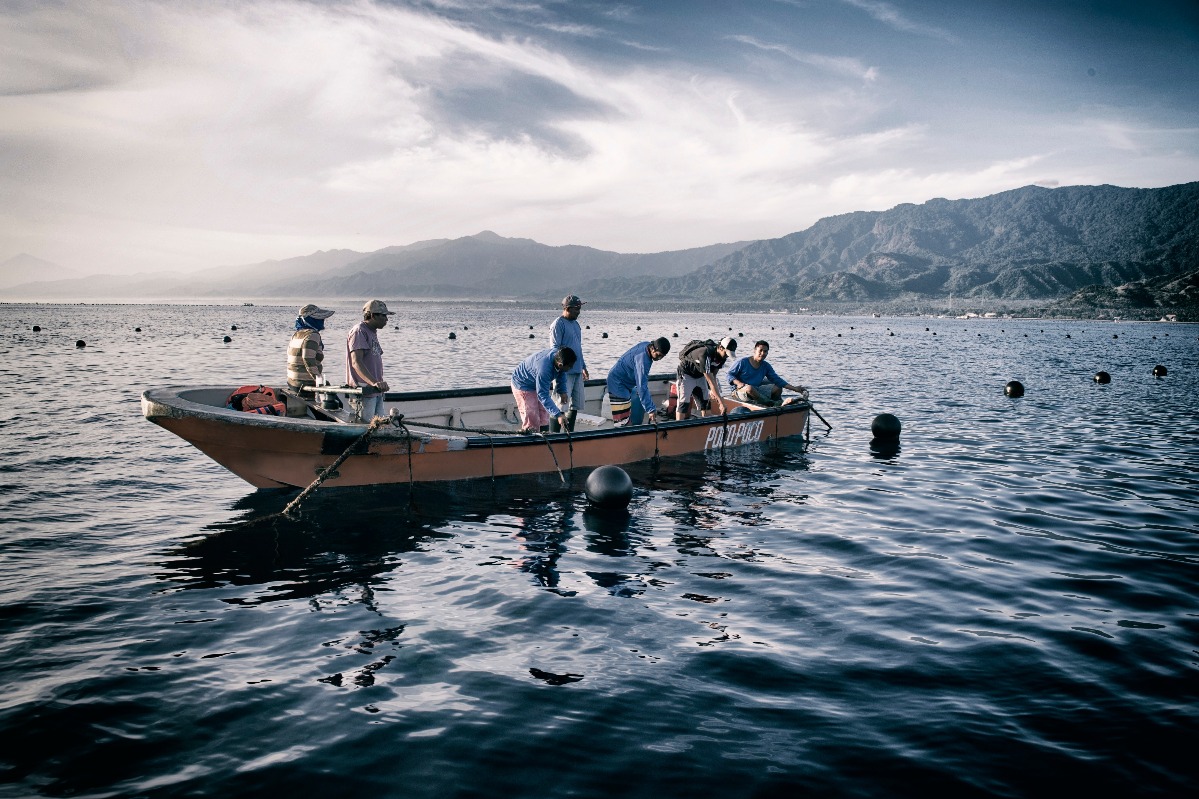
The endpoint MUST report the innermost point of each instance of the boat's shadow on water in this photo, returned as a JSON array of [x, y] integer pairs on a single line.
[[357, 536]]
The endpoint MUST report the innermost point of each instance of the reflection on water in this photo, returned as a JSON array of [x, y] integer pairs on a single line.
[[1015, 587]]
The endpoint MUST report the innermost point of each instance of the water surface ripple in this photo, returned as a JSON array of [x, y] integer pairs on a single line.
[[1004, 605]]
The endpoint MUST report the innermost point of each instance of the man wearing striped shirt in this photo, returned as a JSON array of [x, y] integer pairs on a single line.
[[306, 351]]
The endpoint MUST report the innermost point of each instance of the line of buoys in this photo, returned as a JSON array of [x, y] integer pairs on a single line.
[[609, 487], [80, 344], [1014, 388], [1103, 377]]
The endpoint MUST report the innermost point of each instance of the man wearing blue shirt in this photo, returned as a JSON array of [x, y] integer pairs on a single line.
[[754, 380], [531, 382], [570, 389], [628, 386]]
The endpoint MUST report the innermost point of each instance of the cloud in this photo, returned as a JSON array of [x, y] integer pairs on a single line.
[[890, 15], [840, 65]]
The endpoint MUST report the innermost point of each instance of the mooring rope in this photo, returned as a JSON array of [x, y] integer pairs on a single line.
[[375, 424]]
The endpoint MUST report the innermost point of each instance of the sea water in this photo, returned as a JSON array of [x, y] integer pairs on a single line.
[[1004, 605]]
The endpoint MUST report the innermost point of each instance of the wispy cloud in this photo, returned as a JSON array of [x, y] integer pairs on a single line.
[[840, 65], [892, 16]]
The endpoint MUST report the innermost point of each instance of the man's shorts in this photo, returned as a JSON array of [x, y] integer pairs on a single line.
[[533, 415]]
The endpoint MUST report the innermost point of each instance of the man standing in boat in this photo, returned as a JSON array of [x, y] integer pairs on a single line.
[[531, 382], [754, 380], [628, 382], [306, 351], [364, 361], [698, 364], [570, 387]]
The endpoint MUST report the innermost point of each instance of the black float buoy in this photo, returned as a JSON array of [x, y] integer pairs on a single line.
[[37, 328], [892, 333], [741, 335], [137, 330], [1114, 335], [886, 427], [1159, 371], [1014, 388], [81, 344], [233, 327], [464, 327], [673, 335], [453, 335], [638, 327], [532, 336], [227, 339], [588, 327], [604, 335], [1103, 377], [790, 335], [609, 487], [838, 335], [530, 327]]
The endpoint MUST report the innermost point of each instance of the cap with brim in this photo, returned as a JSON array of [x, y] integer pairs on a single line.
[[571, 301], [315, 312], [729, 344], [377, 306]]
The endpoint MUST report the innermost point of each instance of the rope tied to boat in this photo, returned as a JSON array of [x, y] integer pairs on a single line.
[[375, 424]]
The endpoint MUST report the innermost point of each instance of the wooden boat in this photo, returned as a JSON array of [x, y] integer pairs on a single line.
[[443, 435]]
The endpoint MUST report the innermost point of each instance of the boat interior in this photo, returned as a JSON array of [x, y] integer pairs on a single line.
[[484, 409]]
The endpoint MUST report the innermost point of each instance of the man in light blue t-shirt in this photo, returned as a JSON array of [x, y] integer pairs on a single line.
[[570, 388], [754, 380]]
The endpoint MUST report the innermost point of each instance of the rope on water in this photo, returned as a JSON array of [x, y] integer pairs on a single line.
[[331, 468]]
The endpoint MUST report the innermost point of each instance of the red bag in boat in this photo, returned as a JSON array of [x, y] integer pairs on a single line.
[[257, 399]]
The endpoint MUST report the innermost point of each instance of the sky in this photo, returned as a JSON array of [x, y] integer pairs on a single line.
[[176, 135]]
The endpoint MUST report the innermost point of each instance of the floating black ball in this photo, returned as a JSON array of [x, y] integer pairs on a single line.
[[464, 327], [37, 328], [1103, 377], [1159, 371], [137, 330], [532, 336], [1014, 388], [790, 335], [227, 339], [453, 335], [609, 487], [588, 327], [638, 327], [886, 427], [673, 335], [605, 335], [530, 327], [81, 344], [1114, 335], [233, 327]]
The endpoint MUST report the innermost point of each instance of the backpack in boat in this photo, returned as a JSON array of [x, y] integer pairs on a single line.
[[257, 399], [691, 359]]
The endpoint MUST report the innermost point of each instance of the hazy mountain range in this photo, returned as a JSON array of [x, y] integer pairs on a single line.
[[1082, 247]]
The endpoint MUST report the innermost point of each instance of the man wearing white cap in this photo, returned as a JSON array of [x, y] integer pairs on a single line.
[[364, 361], [306, 351]]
